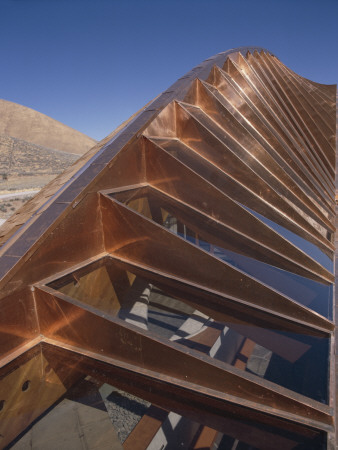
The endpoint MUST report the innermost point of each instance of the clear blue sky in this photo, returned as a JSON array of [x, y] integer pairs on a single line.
[[92, 63]]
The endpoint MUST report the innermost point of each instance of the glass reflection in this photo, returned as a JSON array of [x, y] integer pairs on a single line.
[[96, 415], [307, 247], [220, 179], [314, 295], [280, 356]]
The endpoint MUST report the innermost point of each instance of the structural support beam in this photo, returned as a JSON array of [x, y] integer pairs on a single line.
[[68, 322]]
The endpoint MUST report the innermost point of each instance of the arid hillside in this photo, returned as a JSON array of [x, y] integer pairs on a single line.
[[26, 124], [34, 148]]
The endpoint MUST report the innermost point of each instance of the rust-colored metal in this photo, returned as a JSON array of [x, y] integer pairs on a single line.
[[212, 224], [213, 207], [66, 323], [199, 407], [144, 432]]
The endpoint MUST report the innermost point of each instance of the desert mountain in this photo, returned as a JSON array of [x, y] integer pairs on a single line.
[[34, 148], [29, 125]]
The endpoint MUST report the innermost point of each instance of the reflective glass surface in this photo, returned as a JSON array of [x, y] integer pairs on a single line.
[[93, 414], [303, 244], [314, 295], [280, 356]]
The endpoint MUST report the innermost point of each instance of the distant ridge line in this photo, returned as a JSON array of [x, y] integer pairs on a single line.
[[32, 126]]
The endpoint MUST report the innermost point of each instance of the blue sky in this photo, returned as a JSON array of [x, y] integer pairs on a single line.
[[92, 63]]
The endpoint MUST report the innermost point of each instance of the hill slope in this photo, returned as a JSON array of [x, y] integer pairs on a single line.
[[34, 148], [29, 125]]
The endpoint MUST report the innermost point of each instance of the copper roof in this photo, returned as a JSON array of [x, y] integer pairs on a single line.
[[217, 202]]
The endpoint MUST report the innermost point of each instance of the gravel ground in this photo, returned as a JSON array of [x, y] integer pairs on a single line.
[[125, 411]]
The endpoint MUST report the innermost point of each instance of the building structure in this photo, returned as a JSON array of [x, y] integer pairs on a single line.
[[187, 259]]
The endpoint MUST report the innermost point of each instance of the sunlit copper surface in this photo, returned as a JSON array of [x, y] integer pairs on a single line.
[[218, 197]]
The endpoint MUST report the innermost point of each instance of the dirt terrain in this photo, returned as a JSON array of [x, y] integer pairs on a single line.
[[34, 148], [9, 206], [24, 123], [26, 165]]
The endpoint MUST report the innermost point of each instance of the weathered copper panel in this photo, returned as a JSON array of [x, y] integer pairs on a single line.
[[265, 128], [18, 323], [63, 248], [242, 423], [67, 322], [136, 239], [290, 112], [26, 381], [223, 112], [256, 87], [207, 217], [168, 175], [311, 123]]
